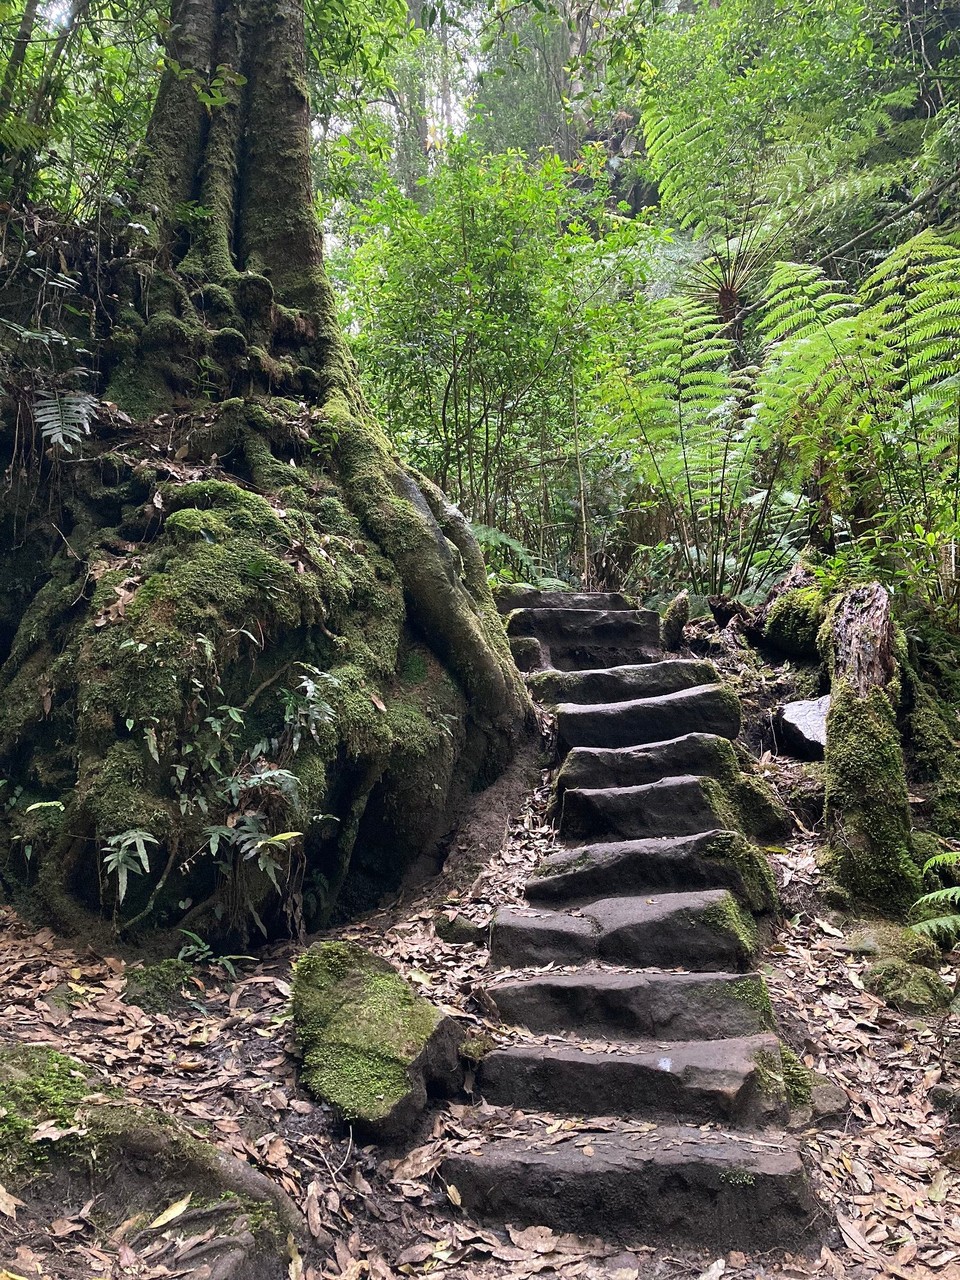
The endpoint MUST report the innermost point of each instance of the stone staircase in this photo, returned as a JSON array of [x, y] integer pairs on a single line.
[[631, 966]]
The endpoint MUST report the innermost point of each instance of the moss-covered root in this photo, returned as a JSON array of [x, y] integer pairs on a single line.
[[462, 625], [370, 1044], [140, 1162], [867, 805]]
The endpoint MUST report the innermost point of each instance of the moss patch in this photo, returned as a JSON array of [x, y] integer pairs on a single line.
[[361, 1029], [794, 620], [759, 886], [156, 987], [867, 804], [726, 917], [910, 988]]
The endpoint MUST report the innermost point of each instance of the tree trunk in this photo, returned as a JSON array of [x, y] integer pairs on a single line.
[[238, 614], [868, 808]]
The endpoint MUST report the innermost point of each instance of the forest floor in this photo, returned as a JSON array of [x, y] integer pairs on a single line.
[[224, 1062]]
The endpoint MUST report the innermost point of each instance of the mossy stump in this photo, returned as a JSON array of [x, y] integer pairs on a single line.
[[371, 1045]]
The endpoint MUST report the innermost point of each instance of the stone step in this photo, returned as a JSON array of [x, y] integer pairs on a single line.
[[621, 684], [699, 931], [708, 708], [672, 807], [637, 1006], [735, 1082], [700, 754], [675, 1184], [708, 860], [520, 596], [583, 639]]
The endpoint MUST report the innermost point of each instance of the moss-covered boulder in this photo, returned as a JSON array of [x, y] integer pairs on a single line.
[[884, 940], [910, 988], [65, 1135], [371, 1045]]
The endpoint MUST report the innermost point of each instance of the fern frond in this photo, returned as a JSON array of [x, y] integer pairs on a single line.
[[64, 417]]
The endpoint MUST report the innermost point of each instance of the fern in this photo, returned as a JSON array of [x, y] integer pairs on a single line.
[[64, 417], [944, 927]]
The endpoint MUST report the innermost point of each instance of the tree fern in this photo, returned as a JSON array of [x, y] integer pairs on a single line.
[[943, 927]]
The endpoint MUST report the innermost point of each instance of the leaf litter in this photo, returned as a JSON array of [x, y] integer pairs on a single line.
[[888, 1173]]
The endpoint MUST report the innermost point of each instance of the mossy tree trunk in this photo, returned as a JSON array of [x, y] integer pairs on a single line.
[[236, 615], [868, 807]]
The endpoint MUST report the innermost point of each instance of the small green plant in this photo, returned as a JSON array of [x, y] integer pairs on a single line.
[[126, 853], [198, 951]]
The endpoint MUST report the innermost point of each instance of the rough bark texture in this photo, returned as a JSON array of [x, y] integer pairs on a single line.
[[237, 614], [868, 809]]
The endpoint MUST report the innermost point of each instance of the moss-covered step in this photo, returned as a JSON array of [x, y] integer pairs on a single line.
[[371, 1045], [582, 639], [673, 807], [708, 708], [708, 860], [136, 1161], [621, 684], [700, 931], [675, 1183], [730, 1081], [519, 596], [700, 754], [637, 1006]]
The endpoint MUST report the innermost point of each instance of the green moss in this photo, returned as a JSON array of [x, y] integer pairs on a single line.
[[746, 803], [759, 886], [39, 1085], [360, 1027], [908, 987], [797, 1079], [726, 917], [476, 1047], [156, 987], [675, 618], [794, 621], [737, 1177], [884, 940], [752, 991], [867, 805]]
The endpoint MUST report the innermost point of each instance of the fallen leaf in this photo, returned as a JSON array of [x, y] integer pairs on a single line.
[[9, 1204], [172, 1211]]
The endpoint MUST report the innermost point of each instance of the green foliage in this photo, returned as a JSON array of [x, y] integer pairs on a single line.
[[939, 910]]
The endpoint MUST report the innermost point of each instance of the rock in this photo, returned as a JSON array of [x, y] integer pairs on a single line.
[[622, 684], [675, 618], [709, 708], [885, 940], [907, 987], [802, 728], [519, 595], [136, 1162], [371, 1045], [527, 653], [946, 1097], [460, 930], [827, 1100]]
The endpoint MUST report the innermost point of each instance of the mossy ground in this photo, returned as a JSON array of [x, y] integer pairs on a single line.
[[910, 988]]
